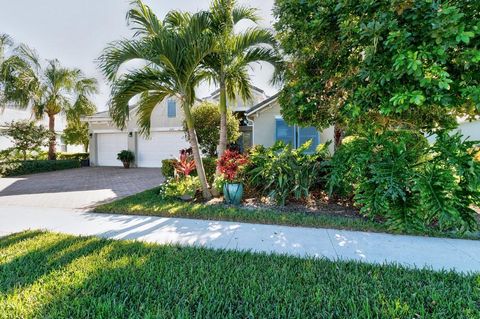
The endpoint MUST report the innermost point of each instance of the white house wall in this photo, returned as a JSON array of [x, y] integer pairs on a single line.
[[265, 124]]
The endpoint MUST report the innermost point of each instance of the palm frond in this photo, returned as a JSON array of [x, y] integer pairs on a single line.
[[143, 20], [240, 13]]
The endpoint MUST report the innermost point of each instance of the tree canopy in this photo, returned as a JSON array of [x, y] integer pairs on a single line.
[[387, 63]]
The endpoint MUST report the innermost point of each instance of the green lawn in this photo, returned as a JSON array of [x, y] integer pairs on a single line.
[[47, 275], [149, 203]]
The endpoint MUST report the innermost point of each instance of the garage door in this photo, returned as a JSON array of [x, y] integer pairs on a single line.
[[160, 146], [108, 146]]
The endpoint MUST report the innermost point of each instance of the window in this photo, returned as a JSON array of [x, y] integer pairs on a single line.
[[295, 135], [305, 134], [284, 132], [171, 108]]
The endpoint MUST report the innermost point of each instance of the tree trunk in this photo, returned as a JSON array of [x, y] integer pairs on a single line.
[[222, 144], [338, 136], [196, 153], [52, 141]]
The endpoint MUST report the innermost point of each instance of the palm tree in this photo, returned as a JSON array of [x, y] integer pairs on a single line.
[[172, 51], [49, 89], [234, 53]]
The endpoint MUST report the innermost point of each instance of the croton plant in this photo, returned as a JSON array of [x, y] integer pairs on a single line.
[[231, 163]]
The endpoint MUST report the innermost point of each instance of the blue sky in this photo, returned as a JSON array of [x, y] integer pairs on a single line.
[[76, 31]]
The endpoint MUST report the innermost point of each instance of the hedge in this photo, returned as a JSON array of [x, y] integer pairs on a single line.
[[31, 167], [72, 156]]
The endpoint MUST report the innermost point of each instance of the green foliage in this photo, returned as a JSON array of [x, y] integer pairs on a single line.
[[399, 177], [168, 168], [387, 63], [76, 156], [209, 163], [126, 156], [206, 119], [178, 187], [48, 275], [77, 134], [34, 166], [282, 172], [26, 136]]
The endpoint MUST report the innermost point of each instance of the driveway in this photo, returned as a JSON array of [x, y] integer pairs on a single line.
[[76, 188]]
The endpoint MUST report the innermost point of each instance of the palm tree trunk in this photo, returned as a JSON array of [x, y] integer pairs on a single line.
[[222, 145], [196, 153], [52, 141], [338, 136]]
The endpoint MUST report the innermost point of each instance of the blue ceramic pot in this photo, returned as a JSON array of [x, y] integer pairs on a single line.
[[233, 193]]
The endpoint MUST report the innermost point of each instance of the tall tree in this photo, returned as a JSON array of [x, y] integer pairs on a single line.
[[172, 52], [234, 53], [47, 87]]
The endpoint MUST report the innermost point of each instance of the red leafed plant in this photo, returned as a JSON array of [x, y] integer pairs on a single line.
[[185, 163], [230, 164]]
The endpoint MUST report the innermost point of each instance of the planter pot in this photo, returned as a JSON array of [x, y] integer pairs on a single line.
[[126, 164], [186, 197], [233, 193], [85, 162]]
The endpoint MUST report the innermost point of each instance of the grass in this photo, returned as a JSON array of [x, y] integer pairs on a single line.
[[48, 275], [149, 203]]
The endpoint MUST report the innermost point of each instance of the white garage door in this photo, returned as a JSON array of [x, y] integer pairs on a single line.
[[160, 146], [108, 146]]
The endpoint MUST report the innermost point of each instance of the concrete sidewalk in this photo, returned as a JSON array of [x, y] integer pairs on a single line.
[[434, 253]]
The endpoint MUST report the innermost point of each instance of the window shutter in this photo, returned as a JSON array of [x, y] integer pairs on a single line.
[[284, 132], [308, 133], [171, 108]]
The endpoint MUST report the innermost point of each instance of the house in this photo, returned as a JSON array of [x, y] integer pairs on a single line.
[[166, 138], [12, 113], [261, 123], [268, 127]]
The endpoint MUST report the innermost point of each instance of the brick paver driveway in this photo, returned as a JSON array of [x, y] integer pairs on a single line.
[[76, 188]]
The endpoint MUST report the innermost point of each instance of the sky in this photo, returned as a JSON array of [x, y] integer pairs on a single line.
[[76, 31]]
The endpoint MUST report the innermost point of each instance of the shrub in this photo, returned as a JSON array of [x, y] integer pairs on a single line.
[[206, 119], [209, 164], [126, 156], [178, 187], [281, 172], [30, 167], [76, 156], [168, 167], [231, 164], [399, 177]]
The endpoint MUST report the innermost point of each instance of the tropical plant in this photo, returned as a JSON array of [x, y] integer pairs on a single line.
[[185, 187], [126, 157], [231, 164], [76, 133], [281, 172], [384, 63], [206, 119], [26, 137], [172, 51], [185, 163], [399, 177], [48, 88], [233, 54]]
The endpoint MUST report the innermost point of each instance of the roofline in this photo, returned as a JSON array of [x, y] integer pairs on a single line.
[[254, 109], [217, 91]]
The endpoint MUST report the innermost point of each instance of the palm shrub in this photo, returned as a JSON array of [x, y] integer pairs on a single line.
[[281, 172], [398, 176]]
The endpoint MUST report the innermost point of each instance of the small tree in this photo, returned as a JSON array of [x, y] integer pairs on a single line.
[[76, 133], [206, 119], [27, 136]]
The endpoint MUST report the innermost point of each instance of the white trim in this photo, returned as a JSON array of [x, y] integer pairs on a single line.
[[269, 103], [167, 129]]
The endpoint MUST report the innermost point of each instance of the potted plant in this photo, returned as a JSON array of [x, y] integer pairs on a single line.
[[230, 165], [126, 157]]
